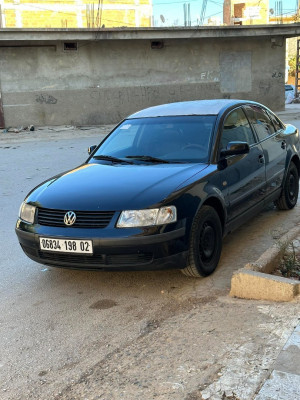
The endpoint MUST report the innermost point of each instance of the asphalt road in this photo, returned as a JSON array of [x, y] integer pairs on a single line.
[[127, 335]]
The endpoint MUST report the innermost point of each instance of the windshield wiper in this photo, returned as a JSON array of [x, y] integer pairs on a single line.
[[111, 158], [149, 159]]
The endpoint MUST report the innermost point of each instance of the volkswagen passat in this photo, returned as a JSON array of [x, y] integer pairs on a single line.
[[163, 188]]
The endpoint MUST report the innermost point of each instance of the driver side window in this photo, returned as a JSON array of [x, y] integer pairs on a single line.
[[236, 128]]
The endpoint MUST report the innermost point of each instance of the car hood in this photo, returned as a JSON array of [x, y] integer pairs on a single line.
[[113, 187]]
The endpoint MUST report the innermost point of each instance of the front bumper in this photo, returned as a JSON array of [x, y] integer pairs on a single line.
[[143, 252]]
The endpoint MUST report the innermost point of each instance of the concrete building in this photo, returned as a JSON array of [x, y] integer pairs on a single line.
[[75, 13], [87, 77], [214, 21], [278, 17], [250, 12]]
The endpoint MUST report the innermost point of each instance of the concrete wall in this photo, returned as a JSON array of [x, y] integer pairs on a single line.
[[104, 81]]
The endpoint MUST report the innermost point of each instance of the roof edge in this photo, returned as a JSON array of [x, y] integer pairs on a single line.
[[124, 33]]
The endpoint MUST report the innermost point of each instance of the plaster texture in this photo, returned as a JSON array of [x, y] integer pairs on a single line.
[[115, 73]]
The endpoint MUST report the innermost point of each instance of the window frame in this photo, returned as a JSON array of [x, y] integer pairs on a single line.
[[266, 112], [274, 117], [255, 138]]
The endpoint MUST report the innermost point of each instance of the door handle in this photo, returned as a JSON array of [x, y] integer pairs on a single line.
[[283, 144], [261, 159]]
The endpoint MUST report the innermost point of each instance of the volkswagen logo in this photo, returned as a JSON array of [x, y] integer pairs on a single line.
[[69, 218]]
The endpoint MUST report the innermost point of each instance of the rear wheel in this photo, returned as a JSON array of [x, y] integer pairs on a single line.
[[289, 195], [205, 243]]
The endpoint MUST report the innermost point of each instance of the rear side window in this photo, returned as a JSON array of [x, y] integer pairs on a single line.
[[260, 121]]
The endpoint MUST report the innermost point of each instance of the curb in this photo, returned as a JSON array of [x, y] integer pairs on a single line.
[[55, 133], [254, 282]]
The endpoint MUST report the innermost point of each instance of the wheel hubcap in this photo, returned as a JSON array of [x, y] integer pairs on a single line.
[[207, 242], [292, 187]]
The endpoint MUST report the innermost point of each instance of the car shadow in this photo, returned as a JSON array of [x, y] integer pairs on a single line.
[[242, 246]]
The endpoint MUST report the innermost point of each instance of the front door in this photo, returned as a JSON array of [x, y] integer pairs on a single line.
[[245, 174]]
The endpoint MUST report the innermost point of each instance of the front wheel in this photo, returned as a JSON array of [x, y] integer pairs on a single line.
[[289, 195], [205, 243]]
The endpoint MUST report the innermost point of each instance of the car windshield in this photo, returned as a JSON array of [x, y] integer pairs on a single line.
[[161, 139]]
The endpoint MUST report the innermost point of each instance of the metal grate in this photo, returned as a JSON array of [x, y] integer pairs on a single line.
[[98, 259], [84, 219], [70, 258]]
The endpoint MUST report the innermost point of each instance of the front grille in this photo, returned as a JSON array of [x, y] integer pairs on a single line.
[[84, 219], [98, 259], [71, 258], [129, 259]]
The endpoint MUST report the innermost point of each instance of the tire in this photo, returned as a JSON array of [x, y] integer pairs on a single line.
[[205, 243], [289, 194]]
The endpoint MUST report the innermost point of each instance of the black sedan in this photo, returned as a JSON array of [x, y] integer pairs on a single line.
[[163, 188]]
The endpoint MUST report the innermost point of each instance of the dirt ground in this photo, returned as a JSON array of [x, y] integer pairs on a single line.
[[77, 335]]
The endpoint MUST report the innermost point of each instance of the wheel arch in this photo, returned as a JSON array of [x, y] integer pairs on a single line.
[[296, 161], [216, 203], [289, 194]]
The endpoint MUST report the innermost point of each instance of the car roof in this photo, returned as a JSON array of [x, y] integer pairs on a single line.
[[196, 107]]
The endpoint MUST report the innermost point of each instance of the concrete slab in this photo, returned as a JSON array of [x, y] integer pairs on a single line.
[[284, 381], [289, 358], [280, 386], [289, 361], [294, 340]]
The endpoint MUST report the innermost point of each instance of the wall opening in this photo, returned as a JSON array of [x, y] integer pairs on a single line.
[[157, 44], [70, 46]]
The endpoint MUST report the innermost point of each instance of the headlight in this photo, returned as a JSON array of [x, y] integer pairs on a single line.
[[27, 212], [155, 216]]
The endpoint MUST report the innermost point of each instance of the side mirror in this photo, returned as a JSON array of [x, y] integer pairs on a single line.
[[91, 149], [235, 148], [289, 130]]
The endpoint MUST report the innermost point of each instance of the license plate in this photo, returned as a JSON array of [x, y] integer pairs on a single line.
[[66, 245]]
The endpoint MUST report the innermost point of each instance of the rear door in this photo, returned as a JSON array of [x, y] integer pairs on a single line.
[[274, 147]]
